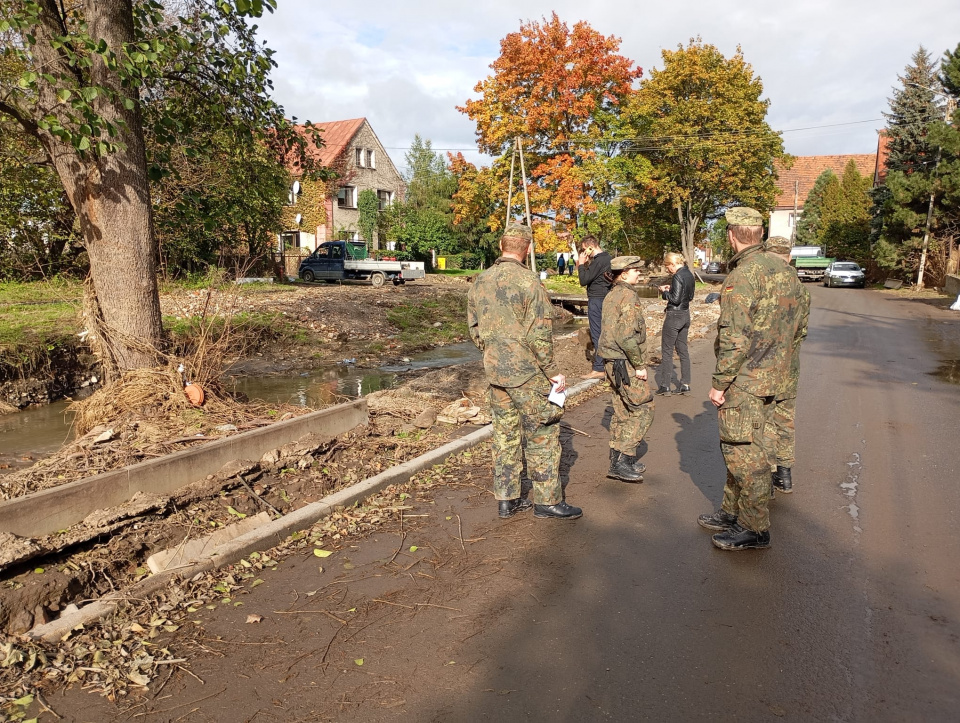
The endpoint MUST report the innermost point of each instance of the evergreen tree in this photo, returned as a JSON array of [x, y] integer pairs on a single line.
[[900, 206], [912, 108], [948, 138], [808, 226], [845, 215]]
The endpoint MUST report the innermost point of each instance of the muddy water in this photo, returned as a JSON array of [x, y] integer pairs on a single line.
[[332, 384], [39, 430]]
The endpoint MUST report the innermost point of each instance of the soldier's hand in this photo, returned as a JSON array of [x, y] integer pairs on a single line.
[[642, 374], [717, 397], [560, 381]]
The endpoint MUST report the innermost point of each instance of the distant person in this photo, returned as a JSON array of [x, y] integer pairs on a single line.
[[758, 326], [571, 265], [561, 264], [783, 429], [509, 316], [623, 346], [676, 325], [593, 263]]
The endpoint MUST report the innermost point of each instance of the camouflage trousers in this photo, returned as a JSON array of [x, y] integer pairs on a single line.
[[782, 433], [633, 410], [522, 416], [747, 451]]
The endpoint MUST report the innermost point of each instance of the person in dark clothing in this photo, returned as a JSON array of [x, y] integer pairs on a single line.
[[676, 324], [561, 264], [593, 263]]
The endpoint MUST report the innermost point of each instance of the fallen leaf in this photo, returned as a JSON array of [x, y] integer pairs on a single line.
[[256, 582], [253, 618], [322, 553], [358, 661], [413, 548], [233, 512]]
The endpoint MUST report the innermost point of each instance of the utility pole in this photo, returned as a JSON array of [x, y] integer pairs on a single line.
[[796, 199]]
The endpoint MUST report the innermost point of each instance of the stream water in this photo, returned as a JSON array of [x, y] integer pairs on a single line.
[[41, 430]]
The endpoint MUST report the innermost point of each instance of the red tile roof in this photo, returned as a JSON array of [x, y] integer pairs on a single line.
[[806, 169], [883, 153], [336, 136]]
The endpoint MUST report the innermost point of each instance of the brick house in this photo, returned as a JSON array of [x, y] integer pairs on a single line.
[[352, 148], [794, 185]]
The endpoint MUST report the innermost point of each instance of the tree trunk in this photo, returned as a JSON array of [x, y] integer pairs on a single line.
[[689, 223], [111, 196]]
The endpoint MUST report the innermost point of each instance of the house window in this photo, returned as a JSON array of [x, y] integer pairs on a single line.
[[371, 160], [385, 198], [290, 239], [792, 220], [359, 157], [346, 197]]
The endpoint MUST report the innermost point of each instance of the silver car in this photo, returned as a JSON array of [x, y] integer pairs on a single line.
[[844, 273]]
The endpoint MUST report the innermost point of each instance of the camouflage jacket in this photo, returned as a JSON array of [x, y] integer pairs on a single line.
[[790, 388], [510, 319], [623, 331], [759, 325]]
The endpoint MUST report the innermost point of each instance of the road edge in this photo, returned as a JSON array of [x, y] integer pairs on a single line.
[[271, 534]]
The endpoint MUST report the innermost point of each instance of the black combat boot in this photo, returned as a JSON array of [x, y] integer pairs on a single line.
[[684, 389], [782, 481], [635, 464], [620, 468], [719, 520], [559, 511], [740, 538], [664, 391], [508, 508]]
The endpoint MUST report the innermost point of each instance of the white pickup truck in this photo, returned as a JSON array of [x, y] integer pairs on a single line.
[[337, 260]]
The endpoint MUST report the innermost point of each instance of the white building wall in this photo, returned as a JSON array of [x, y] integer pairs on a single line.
[[781, 222]]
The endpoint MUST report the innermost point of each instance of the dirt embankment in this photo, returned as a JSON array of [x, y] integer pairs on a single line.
[[277, 328]]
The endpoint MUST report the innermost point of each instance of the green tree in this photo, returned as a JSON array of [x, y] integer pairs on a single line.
[[947, 137], [38, 234], [87, 71], [368, 206], [900, 206], [809, 225], [702, 139], [845, 215]]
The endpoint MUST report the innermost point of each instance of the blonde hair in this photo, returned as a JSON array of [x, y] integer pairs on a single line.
[[672, 257]]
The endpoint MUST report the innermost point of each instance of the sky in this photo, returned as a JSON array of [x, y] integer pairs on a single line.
[[405, 65]]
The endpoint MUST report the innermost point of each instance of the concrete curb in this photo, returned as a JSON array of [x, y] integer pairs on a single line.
[[272, 534], [57, 508]]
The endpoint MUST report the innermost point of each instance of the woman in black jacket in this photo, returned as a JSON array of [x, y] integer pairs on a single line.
[[676, 324]]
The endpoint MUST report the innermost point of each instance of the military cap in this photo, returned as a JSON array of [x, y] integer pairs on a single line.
[[743, 216], [519, 230], [626, 262], [777, 245]]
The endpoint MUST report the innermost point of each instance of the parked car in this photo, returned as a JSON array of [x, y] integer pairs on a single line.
[[844, 273], [714, 267]]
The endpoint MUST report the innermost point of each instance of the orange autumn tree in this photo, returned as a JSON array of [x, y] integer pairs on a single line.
[[559, 90]]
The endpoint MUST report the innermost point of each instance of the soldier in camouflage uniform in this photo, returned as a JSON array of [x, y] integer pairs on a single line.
[[783, 429], [758, 326], [623, 342], [509, 316]]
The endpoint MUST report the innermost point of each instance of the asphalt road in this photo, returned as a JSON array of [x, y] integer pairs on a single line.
[[630, 613]]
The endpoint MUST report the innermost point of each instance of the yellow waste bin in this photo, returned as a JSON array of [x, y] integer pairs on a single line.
[[442, 263]]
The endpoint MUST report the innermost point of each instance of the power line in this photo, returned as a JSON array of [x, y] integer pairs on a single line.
[[692, 137]]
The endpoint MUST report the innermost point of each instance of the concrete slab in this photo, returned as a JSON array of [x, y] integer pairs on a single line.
[[191, 551], [57, 508]]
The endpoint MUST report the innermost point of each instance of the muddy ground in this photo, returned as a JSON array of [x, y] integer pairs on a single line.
[[109, 552]]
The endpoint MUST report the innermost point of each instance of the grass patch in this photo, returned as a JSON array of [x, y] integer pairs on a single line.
[[564, 285], [35, 318], [55, 290], [416, 321], [456, 272]]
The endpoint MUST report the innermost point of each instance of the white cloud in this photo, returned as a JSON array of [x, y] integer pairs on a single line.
[[407, 65]]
